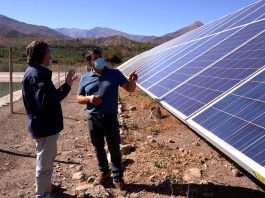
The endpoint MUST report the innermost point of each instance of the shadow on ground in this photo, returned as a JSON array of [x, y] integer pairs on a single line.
[[196, 190]]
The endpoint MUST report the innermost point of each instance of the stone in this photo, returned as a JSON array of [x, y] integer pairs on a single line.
[[91, 179], [79, 168], [132, 108], [153, 178], [83, 187], [191, 174], [204, 182], [236, 173], [149, 136], [152, 141], [195, 143], [171, 141], [97, 191], [195, 172], [203, 160], [78, 176], [89, 155], [181, 149], [121, 108], [155, 112], [122, 132]]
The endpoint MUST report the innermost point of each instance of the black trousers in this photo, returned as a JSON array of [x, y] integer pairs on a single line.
[[103, 127]]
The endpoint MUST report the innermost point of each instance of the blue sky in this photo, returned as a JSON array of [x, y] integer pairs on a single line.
[[144, 17]]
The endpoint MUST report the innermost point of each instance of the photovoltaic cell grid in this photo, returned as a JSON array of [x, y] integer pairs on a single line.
[[182, 54], [239, 119], [153, 74], [220, 77], [208, 57], [193, 75]]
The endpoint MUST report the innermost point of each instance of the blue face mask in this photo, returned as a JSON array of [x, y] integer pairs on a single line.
[[99, 64]]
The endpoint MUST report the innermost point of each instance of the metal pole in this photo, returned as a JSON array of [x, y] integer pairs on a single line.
[[11, 79]]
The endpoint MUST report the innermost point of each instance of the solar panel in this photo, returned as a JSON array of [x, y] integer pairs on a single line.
[[238, 123], [257, 14], [219, 77], [212, 78], [208, 57]]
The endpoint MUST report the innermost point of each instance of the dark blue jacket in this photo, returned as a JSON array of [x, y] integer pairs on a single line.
[[42, 101]]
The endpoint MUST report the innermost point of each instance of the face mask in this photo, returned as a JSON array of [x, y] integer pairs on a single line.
[[99, 64]]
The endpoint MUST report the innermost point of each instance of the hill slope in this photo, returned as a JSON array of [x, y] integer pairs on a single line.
[[169, 36], [7, 23]]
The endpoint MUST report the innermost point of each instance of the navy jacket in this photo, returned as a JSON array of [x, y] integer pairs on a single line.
[[42, 101]]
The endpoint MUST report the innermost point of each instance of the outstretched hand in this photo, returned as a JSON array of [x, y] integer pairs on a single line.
[[71, 77], [133, 77]]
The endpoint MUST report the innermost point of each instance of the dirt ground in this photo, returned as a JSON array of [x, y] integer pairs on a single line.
[[169, 159]]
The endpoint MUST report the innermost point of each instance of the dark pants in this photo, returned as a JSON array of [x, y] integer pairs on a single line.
[[103, 127]]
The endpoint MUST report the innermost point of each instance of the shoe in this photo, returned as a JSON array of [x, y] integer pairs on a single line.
[[102, 179], [58, 188], [119, 184]]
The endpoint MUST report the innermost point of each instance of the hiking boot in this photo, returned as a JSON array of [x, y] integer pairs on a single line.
[[102, 179], [119, 184]]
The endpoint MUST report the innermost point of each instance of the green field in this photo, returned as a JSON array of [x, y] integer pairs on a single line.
[[72, 52]]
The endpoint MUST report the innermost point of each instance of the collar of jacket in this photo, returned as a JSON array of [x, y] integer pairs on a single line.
[[45, 71]]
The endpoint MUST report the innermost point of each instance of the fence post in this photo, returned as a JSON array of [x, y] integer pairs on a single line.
[[59, 80], [11, 79]]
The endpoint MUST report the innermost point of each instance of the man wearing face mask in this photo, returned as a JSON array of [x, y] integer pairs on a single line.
[[42, 102], [99, 91]]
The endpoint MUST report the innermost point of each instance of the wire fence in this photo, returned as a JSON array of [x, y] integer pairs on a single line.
[[11, 78]]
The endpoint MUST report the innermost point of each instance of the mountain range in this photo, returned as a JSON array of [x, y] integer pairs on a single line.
[[11, 28], [101, 32], [8, 24]]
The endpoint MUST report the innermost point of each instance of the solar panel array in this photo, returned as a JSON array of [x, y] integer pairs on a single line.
[[213, 79]]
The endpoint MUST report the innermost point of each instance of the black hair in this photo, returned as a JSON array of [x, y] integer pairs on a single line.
[[92, 53], [36, 51], [88, 57], [97, 52]]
